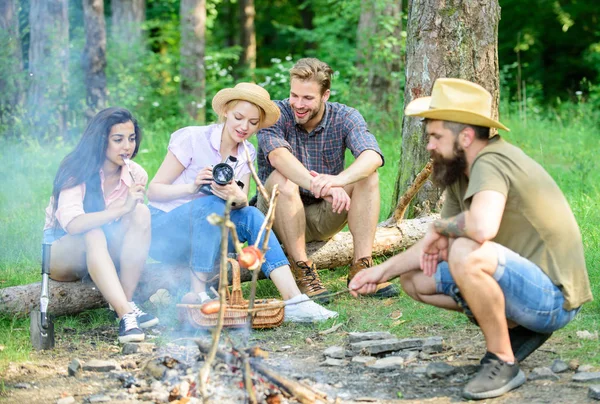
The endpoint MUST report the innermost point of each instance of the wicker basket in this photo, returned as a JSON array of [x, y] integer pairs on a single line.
[[270, 315]]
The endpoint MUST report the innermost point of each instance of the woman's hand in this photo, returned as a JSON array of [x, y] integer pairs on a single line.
[[204, 176], [135, 196], [232, 190]]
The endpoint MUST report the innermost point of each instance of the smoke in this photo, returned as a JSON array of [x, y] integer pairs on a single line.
[[26, 176]]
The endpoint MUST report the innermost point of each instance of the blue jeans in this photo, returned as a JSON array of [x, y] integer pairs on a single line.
[[531, 299], [184, 232]]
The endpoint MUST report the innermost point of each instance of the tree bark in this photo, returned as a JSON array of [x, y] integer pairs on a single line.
[[11, 60], [74, 297], [94, 55], [446, 38], [193, 75], [247, 34], [127, 18], [379, 52], [48, 65]]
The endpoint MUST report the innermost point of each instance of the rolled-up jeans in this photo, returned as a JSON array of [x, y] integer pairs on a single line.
[[531, 299], [184, 235]]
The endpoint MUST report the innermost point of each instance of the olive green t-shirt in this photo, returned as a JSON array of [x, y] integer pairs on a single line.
[[537, 222]]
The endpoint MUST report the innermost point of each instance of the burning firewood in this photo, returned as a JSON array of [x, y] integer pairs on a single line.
[[292, 388]]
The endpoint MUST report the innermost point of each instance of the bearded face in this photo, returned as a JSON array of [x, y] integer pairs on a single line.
[[446, 171]]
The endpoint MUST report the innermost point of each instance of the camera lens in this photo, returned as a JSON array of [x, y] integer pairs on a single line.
[[222, 174]]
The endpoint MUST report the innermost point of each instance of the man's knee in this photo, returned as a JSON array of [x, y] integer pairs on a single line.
[[416, 284], [407, 282], [372, 181], [286, 187], [468, 257]]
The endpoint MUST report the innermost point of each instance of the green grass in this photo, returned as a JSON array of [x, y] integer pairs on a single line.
[[567, 150]]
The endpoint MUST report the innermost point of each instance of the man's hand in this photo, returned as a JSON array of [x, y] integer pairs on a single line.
[[321, 184], [434, 250], [330, 188], [339, 199], [365, 282]]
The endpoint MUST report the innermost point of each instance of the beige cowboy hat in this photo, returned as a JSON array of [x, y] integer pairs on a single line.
[[248, 92], [456, 100]]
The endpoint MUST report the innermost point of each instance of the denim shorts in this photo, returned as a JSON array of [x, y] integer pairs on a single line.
[[532, 300], [51, 235]]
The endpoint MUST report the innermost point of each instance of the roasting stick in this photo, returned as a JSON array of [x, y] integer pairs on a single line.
[[259, 184], [128, 164], [266, 227], [205, 370], [271, 306]]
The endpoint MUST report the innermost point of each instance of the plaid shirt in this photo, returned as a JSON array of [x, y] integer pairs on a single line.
[[322, 150]]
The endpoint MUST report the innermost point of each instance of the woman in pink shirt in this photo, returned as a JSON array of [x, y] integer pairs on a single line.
[[96, 220], [180, 231]]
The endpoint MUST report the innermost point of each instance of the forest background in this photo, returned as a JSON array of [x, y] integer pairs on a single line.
[[60, 62]]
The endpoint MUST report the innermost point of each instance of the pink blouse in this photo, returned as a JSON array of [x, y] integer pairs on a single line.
[[197, 147], [70, 201]]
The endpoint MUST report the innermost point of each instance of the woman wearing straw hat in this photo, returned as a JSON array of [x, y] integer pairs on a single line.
[[182, 194]]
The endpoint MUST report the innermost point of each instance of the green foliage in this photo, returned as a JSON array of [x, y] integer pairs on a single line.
[[563, 140], [559, 61], [551, 44]]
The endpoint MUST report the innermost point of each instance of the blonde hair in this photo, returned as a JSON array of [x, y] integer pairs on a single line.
[[231, 104], [313, 69]]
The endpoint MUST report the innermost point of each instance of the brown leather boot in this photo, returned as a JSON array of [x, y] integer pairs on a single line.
[[308, 281], [384, 290]]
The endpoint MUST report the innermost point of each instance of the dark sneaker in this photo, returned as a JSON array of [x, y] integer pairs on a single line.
[[525, 341], [494, 379], [383, 290], [308, 281], [129, 331], [144, 320]]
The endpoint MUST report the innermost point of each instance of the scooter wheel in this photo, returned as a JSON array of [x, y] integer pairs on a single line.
[[41, 338]]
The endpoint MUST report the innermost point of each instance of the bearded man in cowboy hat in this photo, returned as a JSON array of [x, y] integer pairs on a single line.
[[303, 153], [507, 250]]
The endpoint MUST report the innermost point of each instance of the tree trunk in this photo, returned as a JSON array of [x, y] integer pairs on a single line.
[[48, 65], [446, 38], [74, 297], [247, 34], [94, 55], [11, 60], [192, 48], [127, 18], [229, 17], [379, 51]]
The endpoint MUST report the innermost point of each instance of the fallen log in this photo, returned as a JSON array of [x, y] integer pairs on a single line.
[[75, 297], [392, 235]]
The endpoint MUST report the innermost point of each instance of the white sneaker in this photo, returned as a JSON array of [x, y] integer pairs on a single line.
[[300, 309]]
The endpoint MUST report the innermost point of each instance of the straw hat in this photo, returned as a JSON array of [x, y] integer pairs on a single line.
[[457, 101], [248, 92]]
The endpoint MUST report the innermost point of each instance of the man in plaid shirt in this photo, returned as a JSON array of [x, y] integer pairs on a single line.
[[303, 153]]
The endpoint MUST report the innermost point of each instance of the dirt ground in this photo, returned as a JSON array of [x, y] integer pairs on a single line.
[[47, 380]]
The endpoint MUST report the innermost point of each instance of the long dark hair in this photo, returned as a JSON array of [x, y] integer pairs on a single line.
[[83, 164]]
